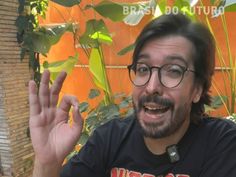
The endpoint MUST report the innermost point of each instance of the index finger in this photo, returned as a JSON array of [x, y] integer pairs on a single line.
[[33, 99]]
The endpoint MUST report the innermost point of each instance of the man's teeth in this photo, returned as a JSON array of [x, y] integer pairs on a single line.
[[154, 108]]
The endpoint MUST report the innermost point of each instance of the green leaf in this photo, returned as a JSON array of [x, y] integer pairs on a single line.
[[83, 107], [182, 3], [231, 7], [227, 5], [212, 2], [123, 11], [126, 49], [217, 101], [67, 3], [40, 42], [185, 7], [83, 138], [21, 6], [94, 93], [138, 11], [96, 32], [124, 104], [134, 18], [119, 95], [187, 11], [193, 2], [208, 108], [71, 155], [22, 53], [111, 10], [130, 112], [232, 117], [91, 121], [54, 34], [160, 8], [153, 3], [21, 23], [56, 67], [98, 70], [45, 64], [110, 111], [102, 37]]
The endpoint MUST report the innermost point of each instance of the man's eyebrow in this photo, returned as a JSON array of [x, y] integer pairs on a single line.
[[143, 56], [176, 57]]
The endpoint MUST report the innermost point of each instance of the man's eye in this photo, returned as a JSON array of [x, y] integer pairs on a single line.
[[173, 71], [176, 71], [142, 69]]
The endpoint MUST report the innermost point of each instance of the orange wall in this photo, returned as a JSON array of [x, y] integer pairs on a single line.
[[79, 81]]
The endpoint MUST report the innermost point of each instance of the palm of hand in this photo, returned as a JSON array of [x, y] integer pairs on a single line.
[[52, 137]]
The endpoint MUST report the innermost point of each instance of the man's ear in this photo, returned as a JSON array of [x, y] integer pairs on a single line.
[[197, 93]]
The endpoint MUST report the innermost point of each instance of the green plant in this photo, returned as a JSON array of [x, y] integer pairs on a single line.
[[225, 97], [33, 39], [97, 115], [56, 67], [26, 23], [232, 117], [38, 40], [97, 35], [101, 113]]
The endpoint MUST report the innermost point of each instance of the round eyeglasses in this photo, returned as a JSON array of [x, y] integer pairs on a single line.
[[170, 75]]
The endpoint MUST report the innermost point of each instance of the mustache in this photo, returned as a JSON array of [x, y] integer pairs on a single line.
[[155, 99]]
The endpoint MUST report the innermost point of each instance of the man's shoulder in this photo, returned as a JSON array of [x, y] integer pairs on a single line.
[[218, 123], [217, 128], [217, 138]]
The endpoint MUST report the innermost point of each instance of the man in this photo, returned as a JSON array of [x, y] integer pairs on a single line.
[[168, 135]]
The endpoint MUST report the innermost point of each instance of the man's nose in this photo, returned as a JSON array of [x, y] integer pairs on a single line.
[[154, 85]]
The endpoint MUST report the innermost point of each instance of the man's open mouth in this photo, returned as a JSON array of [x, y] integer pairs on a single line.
[[153, 108]]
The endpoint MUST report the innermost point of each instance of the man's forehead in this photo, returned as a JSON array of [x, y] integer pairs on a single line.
[[168, 58], [170, 48]]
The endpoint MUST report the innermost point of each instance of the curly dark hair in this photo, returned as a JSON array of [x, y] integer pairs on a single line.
[[202, 40]]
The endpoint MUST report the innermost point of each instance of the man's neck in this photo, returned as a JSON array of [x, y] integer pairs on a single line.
[[158, 146]]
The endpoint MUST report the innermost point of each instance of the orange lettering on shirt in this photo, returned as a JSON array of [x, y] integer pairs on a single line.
[[134, 174], [118, 172], [170, 175], [121, 172], [147, 175]]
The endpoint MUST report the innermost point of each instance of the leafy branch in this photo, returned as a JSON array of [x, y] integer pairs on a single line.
[[26, 23]]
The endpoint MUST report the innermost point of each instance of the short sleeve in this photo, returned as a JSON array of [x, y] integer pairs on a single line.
[[220, 159]]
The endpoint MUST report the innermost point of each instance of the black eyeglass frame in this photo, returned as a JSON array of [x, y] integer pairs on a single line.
[[132, 67]]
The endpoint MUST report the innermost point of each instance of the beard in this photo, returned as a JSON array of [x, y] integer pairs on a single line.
[[171, 123]]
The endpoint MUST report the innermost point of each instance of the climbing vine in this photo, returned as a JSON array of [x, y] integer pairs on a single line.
[[27, 23]]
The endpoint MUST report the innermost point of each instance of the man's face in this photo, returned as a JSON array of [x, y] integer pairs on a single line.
[[161, 111]]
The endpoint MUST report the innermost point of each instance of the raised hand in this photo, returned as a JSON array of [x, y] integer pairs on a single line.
[[52, 137]]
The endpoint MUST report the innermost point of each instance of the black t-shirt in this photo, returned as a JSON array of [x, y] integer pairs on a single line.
[[117, 149]]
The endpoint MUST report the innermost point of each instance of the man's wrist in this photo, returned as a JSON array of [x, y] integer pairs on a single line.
[[42, 170]]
